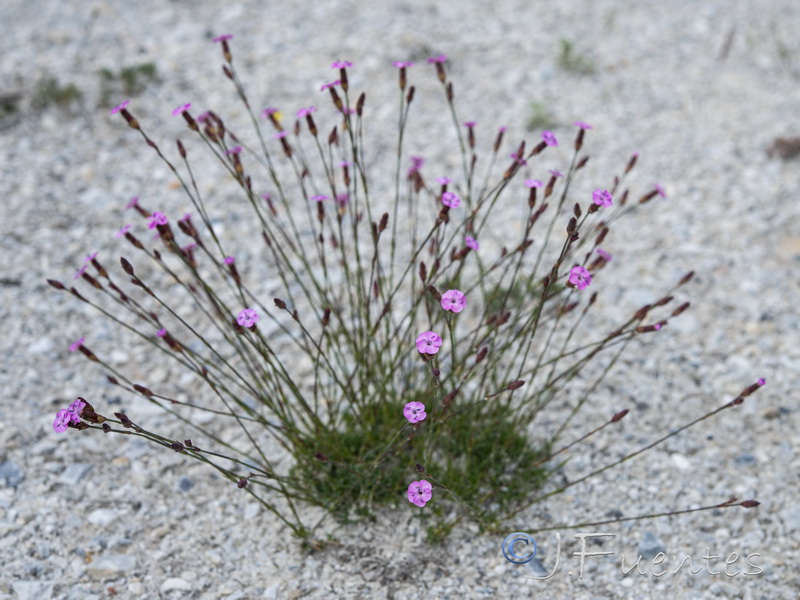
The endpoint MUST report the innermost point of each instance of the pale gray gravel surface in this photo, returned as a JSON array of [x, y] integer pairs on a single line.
[[700, 89]]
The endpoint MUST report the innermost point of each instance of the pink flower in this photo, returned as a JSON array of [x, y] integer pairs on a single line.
[[223, 38], [76, 408], [270, 110], [329, 84], [471, 243], [520, 160], [502, 129], [161, 333], [414, 412], [580, 277], [234, 150], [157, 218], [119, 107], [122, 231], [90, 257], [247, 318], [343, 198], [582, 125], [450, 199], [76, 344], [401, 64], [428, 342], [436, 59], [319, 197], [604, 255], [602, 198], [419, 492], [416, 164], [229, 260], [341, 64], [556, 173], [179, 110], [203, 117], [761, 381], [279, 135], [549, 138], [533, 183], [186, 217], [443, 180], [660, 190], [63, 420], [134, 201], [79, 273], [469, 124], [304, 112], [454, 301]]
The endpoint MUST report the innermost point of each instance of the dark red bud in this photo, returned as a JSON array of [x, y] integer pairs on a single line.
[[619, 416], [516, 384], [280, 303]]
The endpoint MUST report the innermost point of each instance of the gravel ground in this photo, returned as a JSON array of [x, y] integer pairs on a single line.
[[700, 89]]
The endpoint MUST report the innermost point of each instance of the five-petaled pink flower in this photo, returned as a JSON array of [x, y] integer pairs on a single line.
[[229, 260], [119, 107], [419, 492], [161, 333], [304, 112], [179, 110], [451, 200], [341, 64], [602, 198], [556, 173], [454, 300], [401, 64], [76, 344], [414, 412], [443, 180], [134, 201], [247, 318], [580, 277], [437, 59], [604, 255], [234, 150], [122, 231], [533, 183], [582, 125], [471, 243], [428, 342], [223, 38], [469, 124], [62, 421], [319, 197], [157, 218], [549, 138]]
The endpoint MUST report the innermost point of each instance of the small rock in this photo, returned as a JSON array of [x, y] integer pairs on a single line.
[[683, 463], [101, 517], [111, 565], [185, 484], [649, 547], [11, 474], [32, 590], [74, 473], [175, 583]]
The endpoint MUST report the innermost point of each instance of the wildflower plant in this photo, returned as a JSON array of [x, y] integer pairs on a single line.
[[406, 354]]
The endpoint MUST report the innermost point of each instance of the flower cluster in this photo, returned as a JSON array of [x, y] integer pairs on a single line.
[[69, 416]]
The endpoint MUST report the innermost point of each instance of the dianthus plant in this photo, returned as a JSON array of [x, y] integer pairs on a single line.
[[371, 336]]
